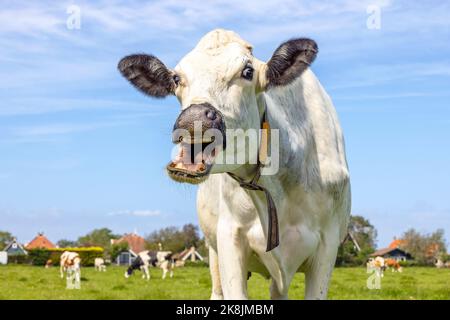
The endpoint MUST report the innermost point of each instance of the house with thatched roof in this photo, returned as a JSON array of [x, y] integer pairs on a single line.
[[393, 251]]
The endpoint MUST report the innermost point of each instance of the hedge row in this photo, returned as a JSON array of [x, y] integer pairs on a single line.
[[39, 257]]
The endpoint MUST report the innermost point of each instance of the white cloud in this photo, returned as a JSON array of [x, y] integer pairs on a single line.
[[136, 213], [30, 20], [60, 129], [37, 105], [381, 74], [4, 176]]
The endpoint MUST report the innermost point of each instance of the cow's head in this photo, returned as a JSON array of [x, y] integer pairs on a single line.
[[217, 85]]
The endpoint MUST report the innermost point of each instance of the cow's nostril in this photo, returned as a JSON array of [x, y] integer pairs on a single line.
[[211, 114]]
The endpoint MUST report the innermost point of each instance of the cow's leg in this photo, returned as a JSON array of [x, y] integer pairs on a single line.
[[146, 272], [318, 275], [61, 271], [77, 275], [164, 272], [233, 251], [275, 293], [216, 293]]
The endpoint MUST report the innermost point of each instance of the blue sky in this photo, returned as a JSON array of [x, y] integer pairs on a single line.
[[80, 148]]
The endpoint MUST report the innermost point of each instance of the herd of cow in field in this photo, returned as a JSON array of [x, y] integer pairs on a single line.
[[70, 263]]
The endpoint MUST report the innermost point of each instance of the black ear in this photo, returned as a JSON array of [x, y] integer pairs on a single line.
[[148, 74], [290, 60]]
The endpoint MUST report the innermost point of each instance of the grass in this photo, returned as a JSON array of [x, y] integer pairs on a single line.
[[27, 282]]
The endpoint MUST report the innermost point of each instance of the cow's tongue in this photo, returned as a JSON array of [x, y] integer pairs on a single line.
[[190, 157]]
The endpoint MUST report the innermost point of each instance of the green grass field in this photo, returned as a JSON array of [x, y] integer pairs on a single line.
[[26, 282]]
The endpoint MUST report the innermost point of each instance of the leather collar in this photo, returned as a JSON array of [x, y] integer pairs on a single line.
[[273, 238]]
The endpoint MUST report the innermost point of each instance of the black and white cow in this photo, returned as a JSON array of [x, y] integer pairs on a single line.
[[161, 259]]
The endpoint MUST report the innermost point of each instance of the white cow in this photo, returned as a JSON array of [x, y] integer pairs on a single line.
[[223, 88], [70, 262], [99, 264]]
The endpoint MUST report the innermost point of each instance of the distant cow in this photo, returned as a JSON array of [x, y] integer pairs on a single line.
[[99, 264], [70, 262], [161, 259], [49, 263], [392, 263], [439, 264]]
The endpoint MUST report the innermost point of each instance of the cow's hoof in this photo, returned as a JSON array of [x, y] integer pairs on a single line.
[[216, 296]]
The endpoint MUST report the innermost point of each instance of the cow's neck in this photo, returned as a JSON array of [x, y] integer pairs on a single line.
[[253, 184]]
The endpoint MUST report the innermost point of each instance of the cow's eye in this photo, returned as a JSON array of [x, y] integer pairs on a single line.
[[247, 73], [176, 79]]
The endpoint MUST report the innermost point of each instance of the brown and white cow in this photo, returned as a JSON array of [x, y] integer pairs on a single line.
[[70, 262], [393, 264]]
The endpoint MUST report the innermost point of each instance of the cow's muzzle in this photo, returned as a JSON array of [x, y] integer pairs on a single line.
[[199, 132]]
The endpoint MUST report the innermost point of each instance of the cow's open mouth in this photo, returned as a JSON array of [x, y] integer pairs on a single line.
[[193, 162]]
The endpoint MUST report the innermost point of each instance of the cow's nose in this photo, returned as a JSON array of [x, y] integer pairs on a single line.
[[205, 113]]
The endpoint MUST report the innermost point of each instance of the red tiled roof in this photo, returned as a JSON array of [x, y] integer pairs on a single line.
[[40, 241], [135, 242]]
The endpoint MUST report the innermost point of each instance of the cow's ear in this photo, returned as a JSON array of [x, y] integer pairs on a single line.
[[289, 61], [148, 74]]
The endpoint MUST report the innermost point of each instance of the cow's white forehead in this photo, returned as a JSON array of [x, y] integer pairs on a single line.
[[214, 42], [206, 71], [220, 50]]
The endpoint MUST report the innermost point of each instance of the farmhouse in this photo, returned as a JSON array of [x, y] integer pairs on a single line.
[[392, 253], [13, 253], [40, 242], [432, 251], [135, 243], [14, 248]]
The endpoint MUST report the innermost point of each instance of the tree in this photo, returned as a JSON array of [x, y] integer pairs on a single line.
[[190, 235], [97, 237], [64, 243], [170, 238], [363, 231], [365, 234], [425, 248], [175, 239], [116, 249], [5, 238]]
